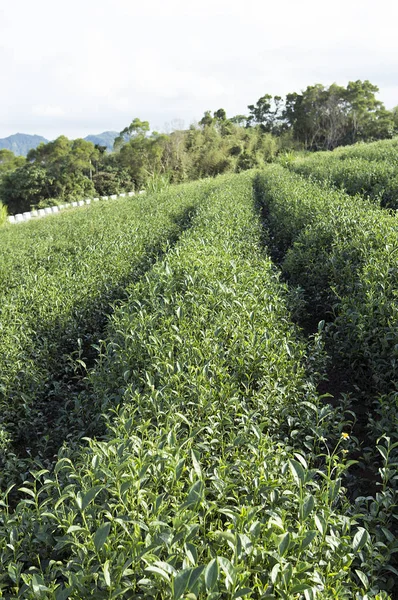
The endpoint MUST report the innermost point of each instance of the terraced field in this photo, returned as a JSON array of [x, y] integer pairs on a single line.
[[172, 427]]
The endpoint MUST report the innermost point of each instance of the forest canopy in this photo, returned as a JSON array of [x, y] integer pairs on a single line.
[[318, 118]]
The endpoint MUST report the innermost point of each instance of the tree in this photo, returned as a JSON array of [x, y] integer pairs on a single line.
[[207, 120], [323, 118], [140, 154], [136, 129], [394, 114], [220, 115], [9, 162], [240, 120], [61, 169], [267, 112], [24, 187]]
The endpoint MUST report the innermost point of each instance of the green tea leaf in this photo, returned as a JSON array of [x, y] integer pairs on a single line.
[[107, 575], [284, 544], [307, 506], [90, 495], [360, 539], [211, 575], [297, 471], [100, 535], [364, 578]]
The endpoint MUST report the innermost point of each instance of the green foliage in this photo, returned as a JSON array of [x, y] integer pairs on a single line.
[[370, 170], [267, 113], [323, 118], [72, 267], [9, 162], [213, 478], [111, 182], [342, 253], [60, 169], [136, 130], [157, 183], [3, 214], [23, 188]]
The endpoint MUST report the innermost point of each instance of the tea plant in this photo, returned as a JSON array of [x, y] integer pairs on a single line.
[[58, 279], [367, 169], [382, 150], [214, 478], [342, 253]]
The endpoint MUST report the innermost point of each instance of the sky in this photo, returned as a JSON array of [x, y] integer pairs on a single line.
[[80, 67]]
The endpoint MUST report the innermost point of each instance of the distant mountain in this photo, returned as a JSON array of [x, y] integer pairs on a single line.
[[21, 143], [103, 139]]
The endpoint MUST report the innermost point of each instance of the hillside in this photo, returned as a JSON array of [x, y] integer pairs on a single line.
[[103, 139], [21, 143]]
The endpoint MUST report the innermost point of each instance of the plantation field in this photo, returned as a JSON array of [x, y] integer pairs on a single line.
[[58, 280], [366, 169], [183, 346]]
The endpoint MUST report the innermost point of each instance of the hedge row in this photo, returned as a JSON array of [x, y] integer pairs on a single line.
[[378, 180], [383, 150], [58, 278], [214, 479], [344, 254]]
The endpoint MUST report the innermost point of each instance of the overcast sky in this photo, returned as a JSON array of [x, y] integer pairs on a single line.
[[85, 66]]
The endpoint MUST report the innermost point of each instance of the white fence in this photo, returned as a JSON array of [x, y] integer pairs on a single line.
[[50, 210]]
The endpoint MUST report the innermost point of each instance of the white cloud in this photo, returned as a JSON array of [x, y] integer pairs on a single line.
[[45, 110], [81, 67]]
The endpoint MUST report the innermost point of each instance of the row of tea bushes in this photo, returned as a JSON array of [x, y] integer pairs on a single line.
[[344, 254], [58, 277], [377, 180], [382, 150], [50, 210], [213, 479]]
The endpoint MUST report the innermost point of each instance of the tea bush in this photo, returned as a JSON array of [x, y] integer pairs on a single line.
[[370, 170], [382, 150], [58, 278], [343, 253], [214, 478]]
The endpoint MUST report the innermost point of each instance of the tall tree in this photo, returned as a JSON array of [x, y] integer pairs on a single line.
[[267, 112]]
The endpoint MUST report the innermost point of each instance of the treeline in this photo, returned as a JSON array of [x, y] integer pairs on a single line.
[[319, 118]]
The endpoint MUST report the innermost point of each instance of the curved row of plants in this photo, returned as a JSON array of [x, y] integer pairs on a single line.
[[214, 478], [58, 278], [354, 173], [382, 150], [343, 256]]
